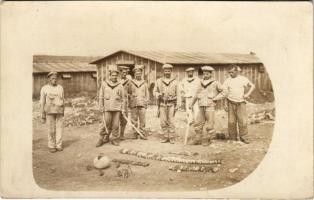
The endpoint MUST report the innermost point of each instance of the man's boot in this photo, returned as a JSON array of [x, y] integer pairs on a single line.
[[206, 142], [122, 137], [115, 142], [244, 140], [164, 140], [197, 140], [106, 139], [100, 143], [172, 140], [143, 137]]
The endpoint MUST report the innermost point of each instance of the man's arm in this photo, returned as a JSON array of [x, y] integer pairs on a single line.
[[181, 88], [101, 99], [156, 91], [223, 91], [252, 87], [195, 97], [42, 103], [124, 106], [178, 96]]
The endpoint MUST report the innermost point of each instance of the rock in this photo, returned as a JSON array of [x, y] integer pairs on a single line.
[[101, 162], [53, 169], [215, 169], [233, 170]]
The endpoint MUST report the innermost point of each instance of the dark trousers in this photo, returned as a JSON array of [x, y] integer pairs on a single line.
[[237, 116], [111, 126]]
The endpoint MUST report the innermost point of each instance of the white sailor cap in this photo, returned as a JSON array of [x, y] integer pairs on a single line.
[[167, 66], [235, 67], [208, 68], [138, 67], [190, 69]]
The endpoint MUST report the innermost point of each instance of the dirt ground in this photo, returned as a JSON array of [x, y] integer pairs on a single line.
[[67, 170]]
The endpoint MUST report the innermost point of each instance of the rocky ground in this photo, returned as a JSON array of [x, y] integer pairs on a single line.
[[70, 169]]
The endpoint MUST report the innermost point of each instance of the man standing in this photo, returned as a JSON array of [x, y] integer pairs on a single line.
[[125, 82], [111, 103], [52, 109], [188, 87], [208, 89], [139, 98], [234, 88], [166, 91]]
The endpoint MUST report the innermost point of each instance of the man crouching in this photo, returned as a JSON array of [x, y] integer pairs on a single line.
[[111, 104]]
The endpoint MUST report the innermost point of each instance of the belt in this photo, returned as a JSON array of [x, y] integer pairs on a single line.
[[236, 103]]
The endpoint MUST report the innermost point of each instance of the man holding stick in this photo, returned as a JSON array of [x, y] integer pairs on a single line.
[[166, 91], [139, 97], [111, 103], [208, 89], [125, 83], [188, 87]]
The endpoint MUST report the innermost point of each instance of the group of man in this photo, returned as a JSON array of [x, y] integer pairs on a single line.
[[116, 97]]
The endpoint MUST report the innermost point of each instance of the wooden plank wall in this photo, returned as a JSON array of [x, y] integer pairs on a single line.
[[251, 71], [153, 70], [80, 84]]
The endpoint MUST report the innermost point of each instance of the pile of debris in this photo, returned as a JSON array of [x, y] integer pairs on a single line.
[[262, 115], [81, 111]]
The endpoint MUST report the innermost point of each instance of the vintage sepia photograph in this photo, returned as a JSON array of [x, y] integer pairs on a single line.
[[157, 99], [142, 119]]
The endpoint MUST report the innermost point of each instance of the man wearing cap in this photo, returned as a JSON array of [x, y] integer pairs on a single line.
[[125, 82], [208, 89], [111, 103], [234, 89], [188, 87], [52, 110], [166, 91], [139, 96]]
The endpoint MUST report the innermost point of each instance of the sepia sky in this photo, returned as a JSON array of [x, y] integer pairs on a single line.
[[97, 28]]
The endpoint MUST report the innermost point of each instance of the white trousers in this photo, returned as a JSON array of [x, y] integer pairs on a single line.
[[55, 129], [191, 114]]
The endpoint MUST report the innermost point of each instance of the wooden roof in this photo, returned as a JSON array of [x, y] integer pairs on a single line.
[[190, 57], [46, 63]]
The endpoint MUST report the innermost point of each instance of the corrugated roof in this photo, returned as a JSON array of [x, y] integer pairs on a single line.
[[63, 67], [45, 63], [66, 59], [191, 57]]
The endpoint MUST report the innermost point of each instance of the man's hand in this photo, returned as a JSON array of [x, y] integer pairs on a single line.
[[124, 112], [178, 106], [190, 107], [245, 96], [102, 109], [43, 120]]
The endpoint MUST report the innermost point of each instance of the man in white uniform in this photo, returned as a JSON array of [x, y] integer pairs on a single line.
[[188, 88], [234, 90], [52, 109]]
